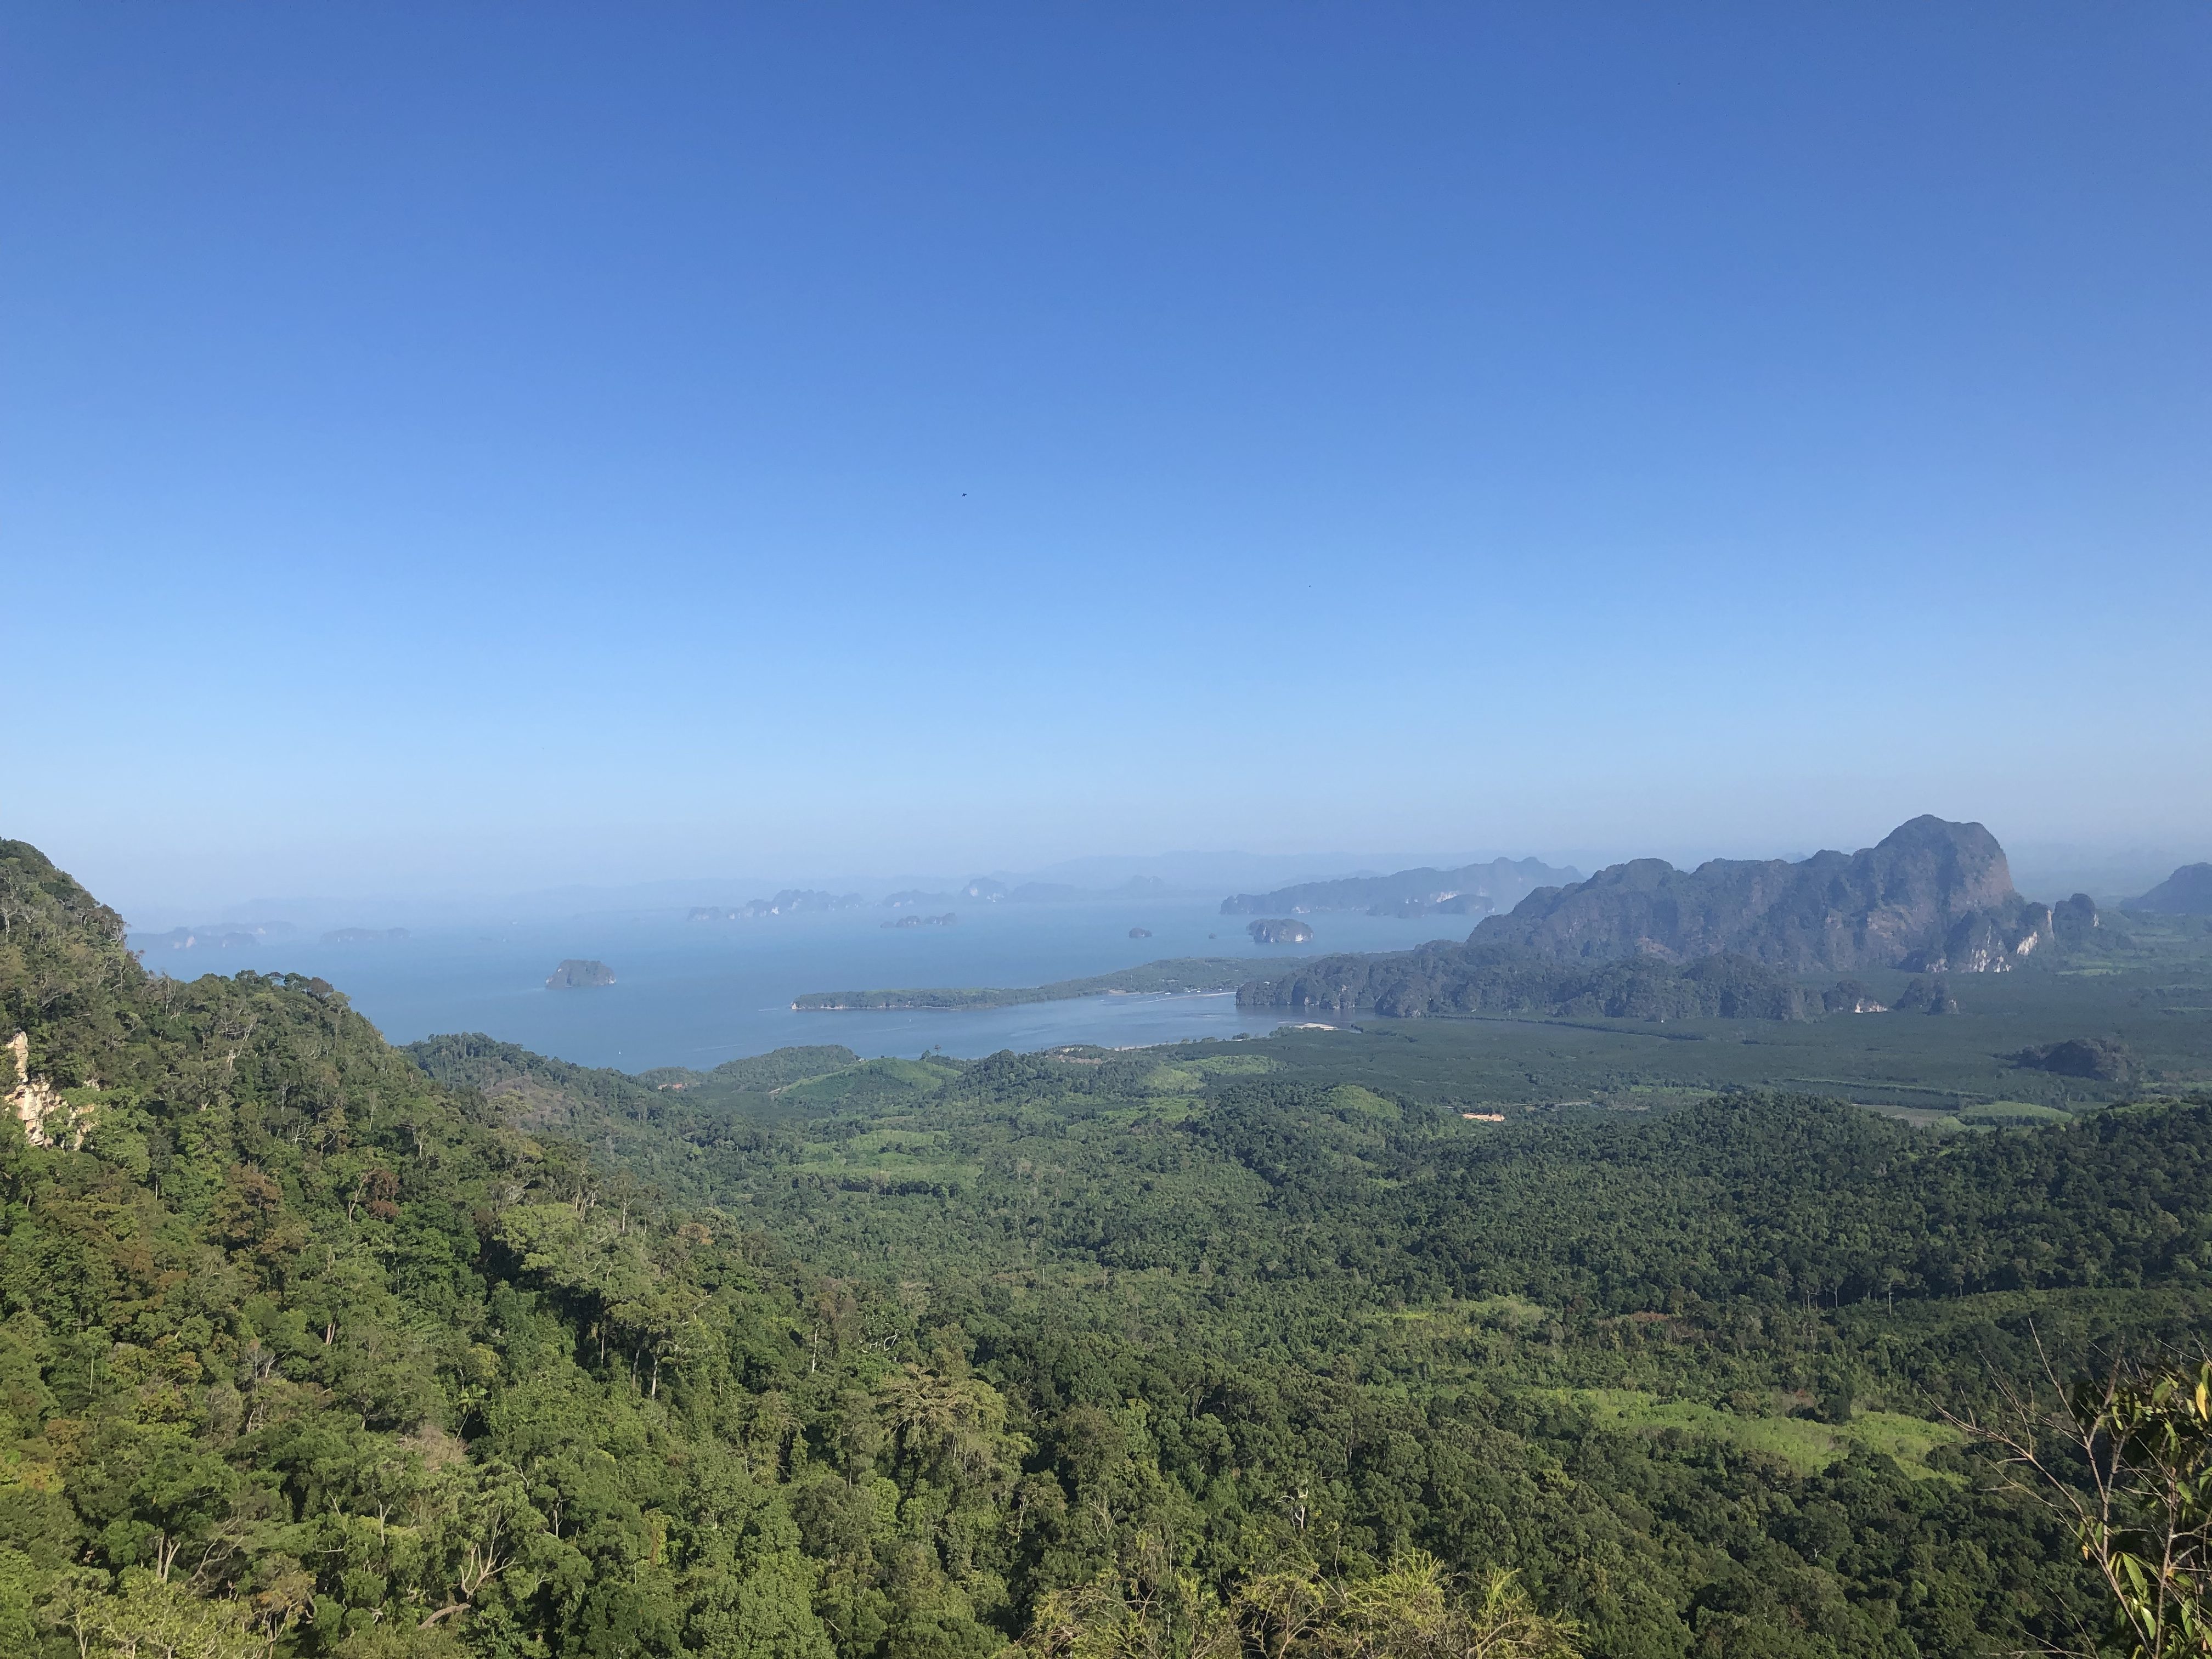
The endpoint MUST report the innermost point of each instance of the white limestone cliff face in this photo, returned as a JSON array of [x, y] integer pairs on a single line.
[[1989, 943], [48, 1120]]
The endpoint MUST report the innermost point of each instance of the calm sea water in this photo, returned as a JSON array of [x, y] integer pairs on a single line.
[[689, 994]]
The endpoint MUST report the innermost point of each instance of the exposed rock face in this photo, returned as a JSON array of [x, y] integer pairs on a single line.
[[1279, 930], [1988, 941], [578, 975], [47, 1118], [2186, 892], [1933, 897], [1850, 997]]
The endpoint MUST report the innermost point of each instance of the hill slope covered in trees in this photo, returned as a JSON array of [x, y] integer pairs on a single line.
[[305, 1351]]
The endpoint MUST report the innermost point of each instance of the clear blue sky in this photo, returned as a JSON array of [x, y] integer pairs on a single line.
[[475, 445]]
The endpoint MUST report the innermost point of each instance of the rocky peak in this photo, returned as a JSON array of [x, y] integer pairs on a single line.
[[1932, 895]]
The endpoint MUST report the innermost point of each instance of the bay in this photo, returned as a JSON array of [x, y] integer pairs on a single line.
[[697, 994]]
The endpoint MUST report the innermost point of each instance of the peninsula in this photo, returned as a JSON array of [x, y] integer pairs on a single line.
[[1177, 975]]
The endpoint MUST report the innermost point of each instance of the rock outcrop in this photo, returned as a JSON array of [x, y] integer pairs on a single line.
[[46, 1114], [1933, 897], [2074, 919], [1926, 996], [1850, 997], [1279, 930]]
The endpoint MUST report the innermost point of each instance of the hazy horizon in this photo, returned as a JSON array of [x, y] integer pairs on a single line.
[[2040, 869], [455, 450]]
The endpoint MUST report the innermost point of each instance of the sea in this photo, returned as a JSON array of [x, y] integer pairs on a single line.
[[697, 994]]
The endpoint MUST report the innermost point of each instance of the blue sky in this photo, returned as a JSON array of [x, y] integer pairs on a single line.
[[483, 445]]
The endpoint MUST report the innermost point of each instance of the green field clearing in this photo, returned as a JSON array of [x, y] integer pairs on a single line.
[[1804, 1445]]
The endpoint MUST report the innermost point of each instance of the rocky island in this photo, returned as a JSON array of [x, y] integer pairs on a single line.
[[1279, 930], [578, 975]]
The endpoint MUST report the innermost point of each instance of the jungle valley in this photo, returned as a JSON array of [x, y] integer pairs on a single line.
[[1606, 1315]]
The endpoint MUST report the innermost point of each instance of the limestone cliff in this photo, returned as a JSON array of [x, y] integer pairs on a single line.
[[1931, 896]]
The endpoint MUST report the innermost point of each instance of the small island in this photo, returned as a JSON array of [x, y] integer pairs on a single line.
[[1141, 933], [577, 974], [1279, 930]]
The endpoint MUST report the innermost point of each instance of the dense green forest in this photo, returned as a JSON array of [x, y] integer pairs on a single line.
[[314, 1347], [1459, 979]]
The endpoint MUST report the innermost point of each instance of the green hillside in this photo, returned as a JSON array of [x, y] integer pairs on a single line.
[[309, 1345]]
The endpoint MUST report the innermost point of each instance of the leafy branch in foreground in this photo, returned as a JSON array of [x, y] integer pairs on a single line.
[[2127, 1462], [1147, 1608]]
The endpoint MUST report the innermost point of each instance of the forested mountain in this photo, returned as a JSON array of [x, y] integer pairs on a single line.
[[1930, 894], [2186, 892], [311, 1347], [1472, 890]]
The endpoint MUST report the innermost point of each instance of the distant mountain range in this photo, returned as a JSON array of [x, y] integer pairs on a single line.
[[1472, 890], [792, 902], [2186, 892], [213, 936], [988, 890], [1933, 897]]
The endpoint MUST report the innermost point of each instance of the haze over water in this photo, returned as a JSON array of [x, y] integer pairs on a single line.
[[694, 993]]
